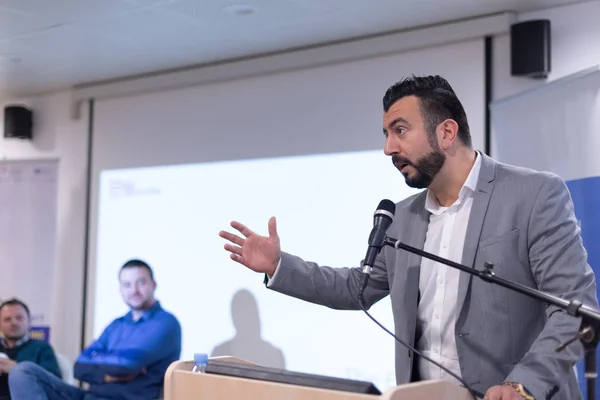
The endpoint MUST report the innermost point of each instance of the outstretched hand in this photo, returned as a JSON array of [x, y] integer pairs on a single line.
[[259, 253]]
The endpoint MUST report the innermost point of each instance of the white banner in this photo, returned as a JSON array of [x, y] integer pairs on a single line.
[[28, 208], [556, 128]]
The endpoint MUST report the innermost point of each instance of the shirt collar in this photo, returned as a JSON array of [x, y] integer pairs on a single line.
[[18, 343], [147, 314], [469, 186]]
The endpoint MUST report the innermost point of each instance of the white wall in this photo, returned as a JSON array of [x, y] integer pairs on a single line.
[[58, 136], [332, 108], [575, 41]]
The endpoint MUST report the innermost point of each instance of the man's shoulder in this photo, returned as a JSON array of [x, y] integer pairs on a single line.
[[504, 169], [166, 318], [118, 320], [38, 345], [529, 179]]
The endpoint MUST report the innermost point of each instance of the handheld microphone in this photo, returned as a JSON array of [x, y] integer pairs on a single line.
[[382, 219]]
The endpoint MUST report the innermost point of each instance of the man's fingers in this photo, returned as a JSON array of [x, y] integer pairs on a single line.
[[232, 238], [233, 249], [238, 258], [243, 229], [272, 227]]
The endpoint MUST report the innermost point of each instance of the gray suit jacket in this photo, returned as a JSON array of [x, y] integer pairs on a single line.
[[522, 221]]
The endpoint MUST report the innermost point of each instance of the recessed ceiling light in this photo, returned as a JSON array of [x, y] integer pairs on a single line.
[[239, 9]]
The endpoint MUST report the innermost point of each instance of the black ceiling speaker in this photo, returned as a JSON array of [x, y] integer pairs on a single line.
[[18, 122], [530, 49]]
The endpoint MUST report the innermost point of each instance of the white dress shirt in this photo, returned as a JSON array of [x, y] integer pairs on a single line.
[[438, 283]]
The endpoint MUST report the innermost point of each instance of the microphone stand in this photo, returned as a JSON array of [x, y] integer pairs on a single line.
[[590, 318]]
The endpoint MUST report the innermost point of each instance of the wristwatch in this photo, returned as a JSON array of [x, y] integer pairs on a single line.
[[520, 389]]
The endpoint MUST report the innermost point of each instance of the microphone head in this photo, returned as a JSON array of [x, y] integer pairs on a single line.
[[382, 220], [386, 208]]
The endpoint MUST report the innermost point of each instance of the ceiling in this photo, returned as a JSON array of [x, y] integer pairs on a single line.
[[51, 44]]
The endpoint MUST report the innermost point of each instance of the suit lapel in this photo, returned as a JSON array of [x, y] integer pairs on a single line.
[[415, 236], [481, 200]]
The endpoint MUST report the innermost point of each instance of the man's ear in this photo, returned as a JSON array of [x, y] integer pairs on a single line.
[[447, 133]]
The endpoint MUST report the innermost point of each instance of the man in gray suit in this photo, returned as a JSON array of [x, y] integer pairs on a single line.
[[475, 210]]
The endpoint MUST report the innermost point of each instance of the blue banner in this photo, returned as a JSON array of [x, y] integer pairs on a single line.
[[586, 197]]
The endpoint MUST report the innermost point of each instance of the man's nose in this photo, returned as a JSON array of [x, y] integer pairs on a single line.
[[391, 146]]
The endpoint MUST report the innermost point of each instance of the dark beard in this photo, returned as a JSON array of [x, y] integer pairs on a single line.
[[427, 167]]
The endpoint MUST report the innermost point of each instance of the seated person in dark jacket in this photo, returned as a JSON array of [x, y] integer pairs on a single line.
[[127, 362], [16, 346]]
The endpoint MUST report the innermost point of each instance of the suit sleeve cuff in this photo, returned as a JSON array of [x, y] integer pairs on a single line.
[[270, 279]]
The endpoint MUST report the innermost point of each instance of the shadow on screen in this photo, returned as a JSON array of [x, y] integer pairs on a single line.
[[247, 342]]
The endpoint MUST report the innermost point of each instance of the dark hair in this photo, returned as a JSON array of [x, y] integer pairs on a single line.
[[137, 264], [438, 102], [15, 302]]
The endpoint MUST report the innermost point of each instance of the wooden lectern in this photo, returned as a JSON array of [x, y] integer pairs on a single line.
[[182, 384]]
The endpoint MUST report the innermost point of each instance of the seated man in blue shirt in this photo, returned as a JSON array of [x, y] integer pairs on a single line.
[[127, 362]]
